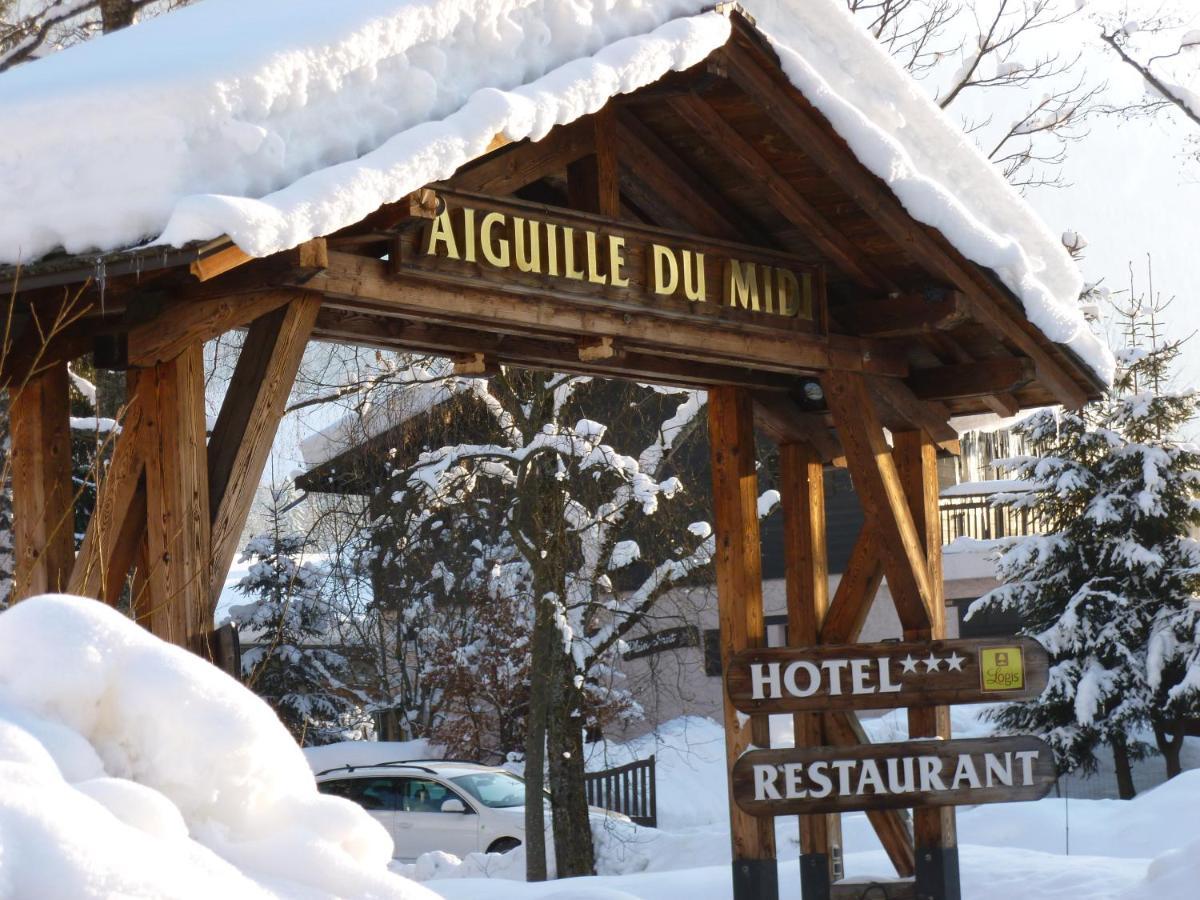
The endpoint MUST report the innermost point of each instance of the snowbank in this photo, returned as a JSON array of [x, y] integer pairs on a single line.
[[132, 768], [313, 114]]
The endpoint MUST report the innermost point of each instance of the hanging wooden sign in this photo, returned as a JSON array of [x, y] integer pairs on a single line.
[[811, 780], [527, 248], [887, 675]]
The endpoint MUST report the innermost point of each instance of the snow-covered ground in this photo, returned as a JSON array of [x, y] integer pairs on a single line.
[[1147, 848], [131, 768]]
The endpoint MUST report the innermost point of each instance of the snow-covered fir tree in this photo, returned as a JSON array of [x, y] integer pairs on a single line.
[[1110, 587], [291, 664]]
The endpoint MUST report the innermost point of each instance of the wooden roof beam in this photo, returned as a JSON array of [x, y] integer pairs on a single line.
[[525, 162], [975, 379], [711, 127], [905, 314], [686, 195], [808, 129]]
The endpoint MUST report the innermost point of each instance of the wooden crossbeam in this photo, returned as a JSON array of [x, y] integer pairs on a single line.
[[855, 592], [893, 826], [358, 281], [809, 130], [180, 324], [975, 379], [600, 355], [43, 496], [905, 315], [246, 424], [738, 565], [786, 423], [118, 523], [948, 350], [806, 574], [884, 502], [712, 128], [909, 411], [517, 165]]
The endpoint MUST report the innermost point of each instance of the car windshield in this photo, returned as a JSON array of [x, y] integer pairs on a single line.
[[494, 789]]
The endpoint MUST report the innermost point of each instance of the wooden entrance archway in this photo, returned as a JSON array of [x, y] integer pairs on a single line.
[[725, 158]]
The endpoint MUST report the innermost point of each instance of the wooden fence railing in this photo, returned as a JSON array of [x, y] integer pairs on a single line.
[[627, 789]]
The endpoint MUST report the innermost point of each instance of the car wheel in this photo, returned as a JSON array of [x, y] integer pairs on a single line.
[[503, 845]]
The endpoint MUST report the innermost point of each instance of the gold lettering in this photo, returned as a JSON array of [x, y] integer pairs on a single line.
[[741, 284], [551, 248], [693, 277], [616, 261], [666, 270], [569, 269], [768, 283], [469, 233], [793, 299], [806, 304], [441, 232], [531, 261], [497, 255], [594, 275]]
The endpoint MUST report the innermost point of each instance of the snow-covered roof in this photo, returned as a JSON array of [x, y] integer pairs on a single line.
[[281, 120]]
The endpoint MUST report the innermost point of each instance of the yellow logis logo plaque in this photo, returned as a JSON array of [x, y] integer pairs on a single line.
[[1001, 668]]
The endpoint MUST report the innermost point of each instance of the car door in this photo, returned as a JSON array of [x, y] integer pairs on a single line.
[[422, 826], [380, 796]]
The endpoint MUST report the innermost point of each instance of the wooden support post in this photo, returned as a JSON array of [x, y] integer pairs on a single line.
[[177, 606], [806, 571], [739, 595], [934, 831], [245, 427], [593, 182], [43, 495]]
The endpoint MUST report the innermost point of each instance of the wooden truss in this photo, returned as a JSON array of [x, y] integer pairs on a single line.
[[900, 539], [171, 502]]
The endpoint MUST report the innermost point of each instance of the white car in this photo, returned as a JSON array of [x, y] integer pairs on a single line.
[[426, 805]]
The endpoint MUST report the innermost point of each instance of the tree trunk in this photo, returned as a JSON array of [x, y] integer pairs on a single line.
[[1169, 738], [573, 851], [542, 652], [1125, 788]]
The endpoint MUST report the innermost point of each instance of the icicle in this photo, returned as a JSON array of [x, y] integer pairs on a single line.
[[101, 275]]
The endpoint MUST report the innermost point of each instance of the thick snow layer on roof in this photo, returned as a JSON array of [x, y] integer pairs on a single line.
[[132, 768], [281, 120]]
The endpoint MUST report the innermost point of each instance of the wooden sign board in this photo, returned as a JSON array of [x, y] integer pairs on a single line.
[[530, 249], [814, 780], [886, 675]]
